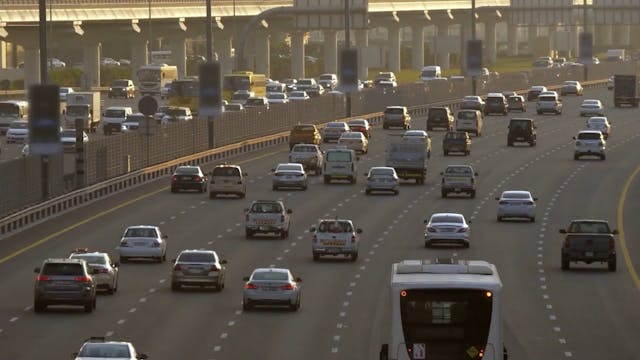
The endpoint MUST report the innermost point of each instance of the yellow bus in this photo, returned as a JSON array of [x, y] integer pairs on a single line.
[[152, 77], [185, 92], [244, 80]]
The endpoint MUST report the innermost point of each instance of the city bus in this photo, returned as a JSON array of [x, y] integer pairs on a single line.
[[244, 80], [10, 111], [445, 309], [185, 92], [152, 77]]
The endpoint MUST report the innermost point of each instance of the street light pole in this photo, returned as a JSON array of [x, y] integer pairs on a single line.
[[150, 41], [474, 85], [43, 40], [347, 45], [209, 30]]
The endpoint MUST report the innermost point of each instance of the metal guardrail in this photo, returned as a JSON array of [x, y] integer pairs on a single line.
[[55, 207]]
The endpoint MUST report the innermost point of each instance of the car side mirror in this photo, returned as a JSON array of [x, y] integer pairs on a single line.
[[469, 222], [223, 262], [298, 279], [497, 198], [246, 278], [359, 231], [312, 229], [562, 231], [441, 173], [573, 137], [246, 209], [165, 236], [614, 232], [535, 199], [245, 174], [74, 354], [142, 356], [476, 174], [36, 270], [95, 271], [289, 211], [115, 264], [273, 170]]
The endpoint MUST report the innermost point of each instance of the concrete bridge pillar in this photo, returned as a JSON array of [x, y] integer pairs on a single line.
[[465, 34], [91, 62], [603, 36], [297, 54], [417, 46], [222, 46], [532, 34], [139, 55], [31, 64], [490, 42], [3, 54], [330, 51], [621, 35], [442, 56], [393, 34], [14, 54], [263, 64], [512, 40], [575, 41], [634, 42], [178, 46], [362, 41]]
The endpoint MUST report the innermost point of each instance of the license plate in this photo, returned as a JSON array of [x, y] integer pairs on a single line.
[[263, 228], [456, 189], [140, 243], [288, 177], [588, 253], [185, 177], [519, 138]]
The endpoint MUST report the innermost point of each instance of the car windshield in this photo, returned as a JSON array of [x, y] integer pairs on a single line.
[[592, 227], [257, 101], [141, 232], [266, 208], [335, 227], [176, 112], [394, 111], [91, 259], [297, 94], [515, 195], [289, 167], [307, 82], [326, 77], [589, 136], [197, 257], [183, 170], [338, 125], [458, 170], [63, 269], [270, 275], [135, 118], [68, 134], [120, 83], [226, 171], [357, 123], [275, 95], [467, 115], [108, 351], [446, 219], [470, 98], [591, 102], [304, 128], [339, 156], [303, 148], [381, 172], [19, 125]]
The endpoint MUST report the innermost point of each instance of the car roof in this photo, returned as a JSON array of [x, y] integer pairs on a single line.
[[521, 119], [538, 87], [396, 107], [267, 201], [381, 168], [197, 251], [494, 94], [227, 166], [142, 227], [589, 220], [447, 214], [590, 132], [64, 260], [516, 192], [282, 270], [415, 132]]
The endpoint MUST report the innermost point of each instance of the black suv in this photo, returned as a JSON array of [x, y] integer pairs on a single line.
[[440, 117], [522, 130], [64, 282]]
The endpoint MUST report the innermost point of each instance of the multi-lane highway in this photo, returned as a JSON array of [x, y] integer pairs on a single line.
[[586, 313]]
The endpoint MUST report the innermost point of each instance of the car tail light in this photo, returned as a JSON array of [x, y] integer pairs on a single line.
[[251, 286], [197, 178], [83, 279], [277, 174], [353, 238], [174, 178], [529, 202], [214, 268], [177, 267], [104, 271], [612, 244], [43, 278], [124, 244], [431, 229], [566, 243], [282, 218], [600, 143], [315, 239], [287, 287], [464, 229], [156, 244]]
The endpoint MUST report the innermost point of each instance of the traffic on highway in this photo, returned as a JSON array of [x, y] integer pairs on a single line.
[[393, 244]]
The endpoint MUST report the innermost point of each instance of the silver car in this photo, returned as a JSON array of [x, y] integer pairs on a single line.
[[516, 204], [271, 286], [447, 228], [143, 241], [382, 178], [106, 276], [335, 237], [199, 268], [591, 107], [309, 155], [289, 175]]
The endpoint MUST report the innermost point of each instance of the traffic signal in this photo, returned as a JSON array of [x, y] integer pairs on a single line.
[[44, 120]]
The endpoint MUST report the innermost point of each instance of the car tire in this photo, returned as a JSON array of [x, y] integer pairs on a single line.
[[509, 143], [396, 192], [110, 290], [296, 306], [212, 195], [123, 260], [247, 306], [316, 256], [274, 188], [446, 152], [304, 188], [242, 195], [611, 264], [443, 193], [353, 180], [284, 234], [427, 244], [174, 190], [164, 257], [603, 156], [565, 263], [175, 286], [499, 218], [39, 306], [88, 306], [385, 127], [327, 179], [576, 157], [354, 257], [367, 192], [318, 171], [472, 194], [248, 234], [465, 245], [429, 154]]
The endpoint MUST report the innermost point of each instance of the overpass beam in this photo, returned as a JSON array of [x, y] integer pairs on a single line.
[[512, 40], [330, 51], [490, 42], [139, 55], [179, 54], [263, 65], [297, 54], [362, 42], [443, 57], [417, 46], [394, 48], [91, 62]]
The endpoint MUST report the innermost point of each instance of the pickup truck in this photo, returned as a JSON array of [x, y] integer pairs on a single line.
[[309, 155], [456, 141], [267, 216], [589, 241], [458, 179]]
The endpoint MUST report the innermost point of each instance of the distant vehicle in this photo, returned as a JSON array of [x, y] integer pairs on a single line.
[[420, 136], [423, 311], [470, 121], [408, 158], [64, 282], [271, 286], [387, 86], [590, 143], [55, 63], [516, 204], [447, 228], [198, 268], [340, 164], [298, 95], [98, 348], [152, 78], [177, 114], [591, 107], [440, 117], [143, 242], [276, 87], [328, 81], [113, 118], [64, 91], [68, 139], [560, 61], [228, 179], [516, 102], [244, 80], [458, 179], [257, 102], [456, 141], [335, 237], [107, 276], [233, 107], [361, 125], [185, 93], [133, 121], [304, 134], [496, 103], [277, 98], [241, 96], [589, 241], [610, 82], [189, 178], [161, 112], [124, 62], [289, 175], [18, 132], [615, 55], [333, 130], [571, 87], [472, 102], [430, 72], [534, 91], [522, 130], [625, 90], [86, 106], [382, 178], [309, 156], [267, 217], [396, 116], [10, 111], [600, 123], [354, 140], [543, 62], [107, 61], [549, 102], [122, 88], [385, 76]]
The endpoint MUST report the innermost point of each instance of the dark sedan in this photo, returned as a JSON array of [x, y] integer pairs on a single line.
[[189, 178]]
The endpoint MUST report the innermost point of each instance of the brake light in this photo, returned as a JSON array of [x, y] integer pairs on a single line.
[[197, 178], [529, 202], [612, 244], [123, 244], [464, 229], [83, 279], [177, 267], [251, 286], [156, 244], [600, 143], [174, 178], [353, 238], [104, 271], [43, 278], [286, 287], [214, 268]]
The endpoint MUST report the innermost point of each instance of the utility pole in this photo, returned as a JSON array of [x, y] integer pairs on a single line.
[[347, 46], [474, 85], [44, 159], [150, 42], [209, 30]]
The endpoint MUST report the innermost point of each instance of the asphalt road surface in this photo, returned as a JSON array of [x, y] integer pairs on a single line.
[[585, 313]]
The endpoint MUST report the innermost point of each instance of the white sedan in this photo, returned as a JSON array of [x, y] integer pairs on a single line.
[[382, 178], [355, 141], [143, 241], [289, 175], [298, 95], [447, 228], [18, 132], [271, 286], [600, 123], [277, 98], [516, 204], [591, 107]]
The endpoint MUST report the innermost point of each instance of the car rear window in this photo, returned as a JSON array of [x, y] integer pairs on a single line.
[[109, 351], [197, 257], [454, 170], [381, 172], [187, 171], [467, 115], [519, 124], [141, 232], [121, 83], [19, 125], [266, 208], [255, 102], [515, 196], [455, 135], [588, 136], [547, 98], [335, 227], [446, 219], [289, 168], [495, 100], [91, 259], [394, 111], [270, 275], [114, 113], [226, 171], [440, 112], [336, 125], [304, 148], [63, 269], [590, 227], [339, 156]]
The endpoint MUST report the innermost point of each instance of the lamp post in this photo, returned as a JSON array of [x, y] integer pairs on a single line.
[[209, 30], [150, 41], [474, 84]]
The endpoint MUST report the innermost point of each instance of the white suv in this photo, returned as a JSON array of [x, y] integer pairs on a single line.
[[335, 237], [589, 142], [549, 102]]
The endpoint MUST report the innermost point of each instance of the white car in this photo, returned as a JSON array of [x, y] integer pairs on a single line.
[[97, 348], [355, 141], [590, 143], [64, 91], [516, 204], [109, 62], [271, 286], [297, 95], [417, 135], [56, 63], [177, 114], [107, 277], [447, 228], [600, 123], [25, 150], [241, 96], [382, 178], [18, 132], [591, 107], [335, 237], [289, 175], [143, 241], [277, 98], [68, 139], [610, 83]]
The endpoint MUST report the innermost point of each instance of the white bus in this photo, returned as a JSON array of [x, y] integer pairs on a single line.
[[445, 310], [10, 111], [153, 77]]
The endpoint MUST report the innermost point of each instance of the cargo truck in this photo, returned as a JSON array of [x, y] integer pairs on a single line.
[[625, 90], [85, 106], [408, 158]]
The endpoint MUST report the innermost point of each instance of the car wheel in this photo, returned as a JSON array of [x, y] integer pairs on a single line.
[[110, 290], [443, 193], [242, 195], [532, 219], [174, 190], [353, 180], [175, 286], [164, 257], [123, 260], [499, 218], [396, 192], [115, 286], [509, 143], [472, 194], [367, 192], [316, 256], [446, 152], [327, 179], [88, 306], [611, 264], [565, 263], [39, 306], [246, 305], [576, 157], [465, 244], [304, 187], [603, 156], [212, 195], [274, 188], [429, 154], [354, 256], [427, 244], [318, 171], [248, 234]]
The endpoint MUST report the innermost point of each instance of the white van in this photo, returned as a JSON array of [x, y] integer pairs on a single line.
[[340, 164], [430, 72], [470, 121]]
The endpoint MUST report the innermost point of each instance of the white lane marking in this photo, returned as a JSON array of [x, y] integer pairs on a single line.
[[568, 354], [162, 281], [562, 341], [121, 321], [553, 317], [223, 335], [217, 348], [272, 265], [339, 325], [152, 290], [279, 258], [172, 218], [549, 306], [28, 308], [353, 284], [293, 244], [286, 250], [336, 337], [132, 310], [162, 222], [556, 328], [345, 304], [142, 300], [357, 276], [362, 267], [238, 224], [14, 319], [231, 323], [545, 296], [343, 314], [109, 334], [219, 236], [210, 243], [334, 350], [229, 230], [349, 293]]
